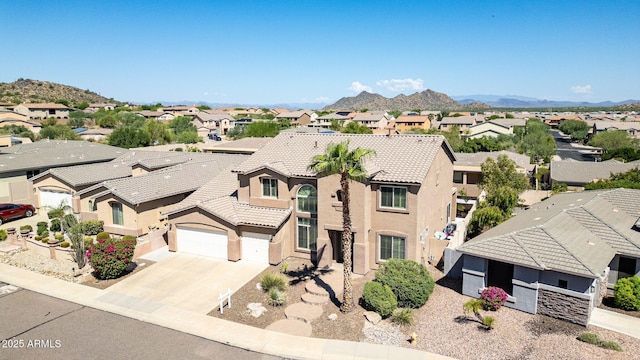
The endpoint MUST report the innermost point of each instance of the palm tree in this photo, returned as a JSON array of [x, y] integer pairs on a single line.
[[350, 166]]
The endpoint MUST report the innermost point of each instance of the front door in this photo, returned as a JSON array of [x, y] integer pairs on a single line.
[[336, 245]]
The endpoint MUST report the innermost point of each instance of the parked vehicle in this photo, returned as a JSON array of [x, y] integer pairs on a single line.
[[215, 137], [13, 211]]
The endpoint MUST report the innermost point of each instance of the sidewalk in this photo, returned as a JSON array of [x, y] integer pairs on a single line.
[[234, 334], [614, 321]]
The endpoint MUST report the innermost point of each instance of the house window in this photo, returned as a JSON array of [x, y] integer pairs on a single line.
[[307, 233], [448, 215], [563, 284], [391, 247], [473, 178], [307, 199], [32, 173], [90, 205], [116, 212], [457, 177], [393, 197], [52, 111], [270, 187], [339, 195]]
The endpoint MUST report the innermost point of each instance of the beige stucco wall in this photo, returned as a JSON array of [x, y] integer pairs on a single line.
[[137, 218], [49, 182]]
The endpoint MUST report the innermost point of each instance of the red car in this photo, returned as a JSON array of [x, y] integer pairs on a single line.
[[12, 211]]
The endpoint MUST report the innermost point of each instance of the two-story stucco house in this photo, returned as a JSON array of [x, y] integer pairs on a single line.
[[272, 206], [43, 111]]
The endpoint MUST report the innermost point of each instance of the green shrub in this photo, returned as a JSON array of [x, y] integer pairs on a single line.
[[45, 240], [488, 321], [92, 227], [409, 281], [627, 293], [59, 236], [276, 297], [103, 235], [3, 234], [26, 227], [55, 225], [110, 257], [68, 221], [37, 238], [594, 339], [129, 238], [42, 226], [273, 281], [87, 241], [379, 298], [403, 316], [45, 234], [65, 244]]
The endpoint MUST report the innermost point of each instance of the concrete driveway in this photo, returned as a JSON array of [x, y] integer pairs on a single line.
[[189, 282]]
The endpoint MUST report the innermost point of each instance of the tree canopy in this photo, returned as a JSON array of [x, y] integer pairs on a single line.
[[613, 140], [129, 137], [629, 180], [537, 141], [355, 128]]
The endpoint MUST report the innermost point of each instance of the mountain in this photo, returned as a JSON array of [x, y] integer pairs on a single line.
[[35, 91], [515, 101], [425, 100]]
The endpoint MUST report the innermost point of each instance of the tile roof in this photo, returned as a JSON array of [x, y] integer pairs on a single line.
[[412, 119], [459, 120], [47, 154], [476, 159], [584, 172], [217, 197], [45, 106], [88, 174], [399, 158], [577, 233], [294, 114], [178, 179]]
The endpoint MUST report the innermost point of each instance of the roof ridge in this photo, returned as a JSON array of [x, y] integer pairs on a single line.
[[567, 250], [607, 225], [542, 265]]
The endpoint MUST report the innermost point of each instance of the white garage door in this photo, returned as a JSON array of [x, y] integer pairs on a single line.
[[202, 242], [255, 247], [50, 199]]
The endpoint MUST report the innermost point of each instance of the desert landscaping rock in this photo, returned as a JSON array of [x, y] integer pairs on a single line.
[[332, 316], [373, 317], [384, 334], [256, 309], [312, 299]]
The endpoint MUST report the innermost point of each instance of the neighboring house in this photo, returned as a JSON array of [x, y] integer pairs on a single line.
[[246, 146], [467, 169], [97, 134], [373, 119], [217, 122], [298, 118], [272, 207], [104, 106], [325, 120], [43, 111], [58, 185], [463, 122], [579, 173], [8, 118], [156, 115], [408, 122], [559, 257], [21, 162], [181, 110], [489, 129], [632, 128], [555, 120], [133, 205]]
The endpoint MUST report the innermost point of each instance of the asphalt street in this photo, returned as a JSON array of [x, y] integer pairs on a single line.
[[567, 151], [35, 326]]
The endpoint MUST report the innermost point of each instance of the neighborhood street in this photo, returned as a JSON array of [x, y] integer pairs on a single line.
[[569, 150], [36, 326]]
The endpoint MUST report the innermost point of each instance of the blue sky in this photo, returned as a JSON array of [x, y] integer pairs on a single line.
[[266, 52]]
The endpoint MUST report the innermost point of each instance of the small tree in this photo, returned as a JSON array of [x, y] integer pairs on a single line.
[[77, 243]]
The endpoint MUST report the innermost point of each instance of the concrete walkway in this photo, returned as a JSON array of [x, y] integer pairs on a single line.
[[242, 336], [617, 322]]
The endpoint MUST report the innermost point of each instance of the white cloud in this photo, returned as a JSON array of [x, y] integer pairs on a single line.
[[357, 87], [581, 89], [321, 99], [402, 84]]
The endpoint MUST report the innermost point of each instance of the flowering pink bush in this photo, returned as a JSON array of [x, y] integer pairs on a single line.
[[110, 257], [493, 297]]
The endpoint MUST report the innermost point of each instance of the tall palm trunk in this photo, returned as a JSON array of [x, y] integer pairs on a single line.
[[347, 303]]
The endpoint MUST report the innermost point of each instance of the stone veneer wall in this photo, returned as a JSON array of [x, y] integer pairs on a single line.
[[603, 287], [564, 307]]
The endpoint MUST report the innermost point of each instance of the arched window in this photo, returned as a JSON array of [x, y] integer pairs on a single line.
[[307, 199]]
